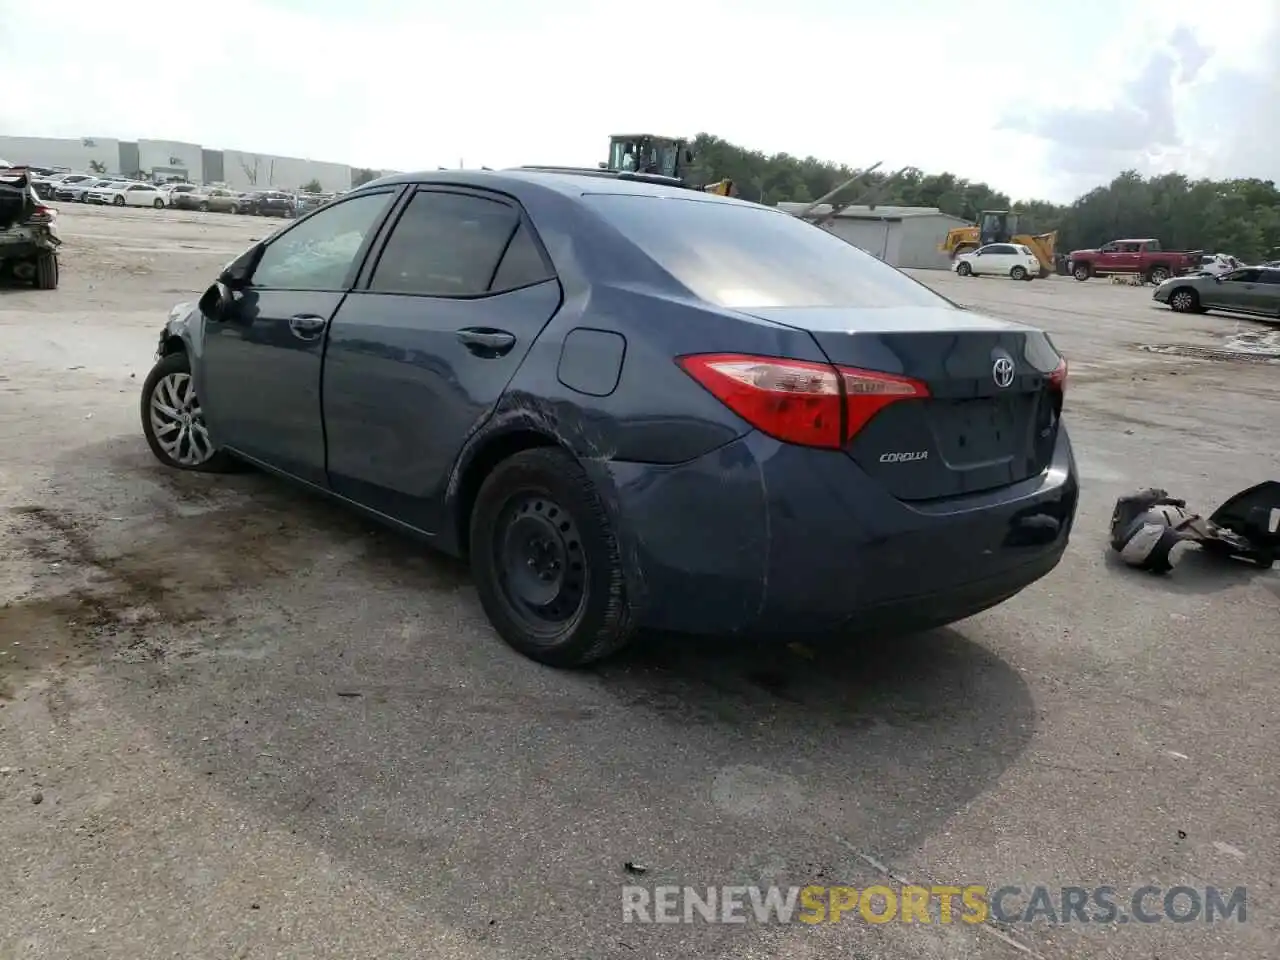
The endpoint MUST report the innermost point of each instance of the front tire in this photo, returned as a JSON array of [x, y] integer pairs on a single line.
[[1082, 272], [964, 270], [118, 201], [159, 204], [547, 565], [1018, 273], [1185, 300], [204, 208], [173, 422], [1158, 275]]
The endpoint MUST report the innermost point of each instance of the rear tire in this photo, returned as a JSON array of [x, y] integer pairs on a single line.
[[1158, 275], [159, 204], [204, 208], [964, 270], [1082, 272], [118, 201], [547, 565], [1019, 273], [1185, 300], [162, 430], [46, 277]]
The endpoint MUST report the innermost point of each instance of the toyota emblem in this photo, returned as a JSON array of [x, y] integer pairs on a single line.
[[1002, 372]]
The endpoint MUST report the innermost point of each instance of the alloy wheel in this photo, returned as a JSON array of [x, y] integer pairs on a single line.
[[178, 422]]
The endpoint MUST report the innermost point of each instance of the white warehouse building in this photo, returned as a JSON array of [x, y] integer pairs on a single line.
[[906, 237], [160, 159]]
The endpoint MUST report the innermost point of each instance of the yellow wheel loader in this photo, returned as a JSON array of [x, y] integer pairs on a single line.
[[1001, 226]]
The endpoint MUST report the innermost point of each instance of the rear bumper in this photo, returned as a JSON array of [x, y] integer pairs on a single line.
[[762, 537]]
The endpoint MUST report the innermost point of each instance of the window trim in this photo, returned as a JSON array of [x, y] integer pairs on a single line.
[[357, 265], [374, 257]]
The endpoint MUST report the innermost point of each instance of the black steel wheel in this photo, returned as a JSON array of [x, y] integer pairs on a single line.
[[546, 563]]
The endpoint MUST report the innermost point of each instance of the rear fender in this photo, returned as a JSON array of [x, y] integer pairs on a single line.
[[522, 421]]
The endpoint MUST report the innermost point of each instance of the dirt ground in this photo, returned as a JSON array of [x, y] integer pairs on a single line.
[[236, 721]]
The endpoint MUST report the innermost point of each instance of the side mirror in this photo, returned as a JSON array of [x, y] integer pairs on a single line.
[[216, 301], [235, 275]]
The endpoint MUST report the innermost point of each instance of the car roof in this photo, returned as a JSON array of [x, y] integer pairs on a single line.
[[517, 180]]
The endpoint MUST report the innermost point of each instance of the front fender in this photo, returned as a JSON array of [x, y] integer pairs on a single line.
[[184, 332], [181, 331]]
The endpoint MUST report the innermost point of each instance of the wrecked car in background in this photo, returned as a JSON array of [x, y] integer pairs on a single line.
[[28, 234]]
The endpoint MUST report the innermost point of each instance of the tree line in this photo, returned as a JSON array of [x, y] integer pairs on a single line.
[[1239, 217]]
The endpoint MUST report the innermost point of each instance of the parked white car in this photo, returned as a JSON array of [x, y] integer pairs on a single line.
[[998, 259], [131, 195], [1218, 264]]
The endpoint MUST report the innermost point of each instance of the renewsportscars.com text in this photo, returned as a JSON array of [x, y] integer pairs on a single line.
[[905, 903]]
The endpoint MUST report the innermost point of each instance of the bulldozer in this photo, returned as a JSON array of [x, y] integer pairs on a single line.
[[649, 153], [1001, 226]]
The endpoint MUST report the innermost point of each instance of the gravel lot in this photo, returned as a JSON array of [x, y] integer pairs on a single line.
[[257, 726]]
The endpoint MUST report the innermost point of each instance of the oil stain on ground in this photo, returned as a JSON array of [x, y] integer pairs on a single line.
[[164, 584]]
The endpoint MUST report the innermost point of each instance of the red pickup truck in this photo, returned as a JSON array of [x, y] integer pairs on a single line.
[[1143, 257]]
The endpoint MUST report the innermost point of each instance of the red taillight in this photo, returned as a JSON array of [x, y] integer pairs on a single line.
[[1058, 379], [43, 213], [799, 401]]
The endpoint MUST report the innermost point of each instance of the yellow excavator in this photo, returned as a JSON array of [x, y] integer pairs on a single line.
[[665, 156], [1001, 226]]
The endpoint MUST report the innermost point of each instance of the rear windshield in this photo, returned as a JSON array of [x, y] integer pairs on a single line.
[[742, 255]]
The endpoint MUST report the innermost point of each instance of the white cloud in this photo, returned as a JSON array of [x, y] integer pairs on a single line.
[[417, 85]]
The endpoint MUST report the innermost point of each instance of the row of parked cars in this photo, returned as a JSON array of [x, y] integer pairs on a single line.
[[122, 192]]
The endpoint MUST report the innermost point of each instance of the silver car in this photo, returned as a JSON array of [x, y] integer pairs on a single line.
[[1253, 290]]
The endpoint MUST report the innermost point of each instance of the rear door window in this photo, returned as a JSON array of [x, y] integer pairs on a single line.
[[741, 255], [449, 245], [1244, 276], [1270, 276]]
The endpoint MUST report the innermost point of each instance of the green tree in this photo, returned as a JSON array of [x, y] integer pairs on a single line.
[[97, 166], [312, 186], [362, 175]]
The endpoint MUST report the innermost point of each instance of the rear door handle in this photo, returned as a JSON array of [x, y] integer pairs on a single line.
[[307, 326], [486, 342]]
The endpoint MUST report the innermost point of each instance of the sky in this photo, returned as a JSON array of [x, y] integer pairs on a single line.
[[1040, 100]]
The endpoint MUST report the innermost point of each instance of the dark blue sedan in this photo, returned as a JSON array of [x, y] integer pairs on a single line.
[[631, 405]]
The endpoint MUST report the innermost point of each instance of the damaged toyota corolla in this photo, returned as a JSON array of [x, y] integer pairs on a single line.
[[631, 405]]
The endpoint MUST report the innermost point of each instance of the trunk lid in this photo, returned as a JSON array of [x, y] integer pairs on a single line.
[[991, 418]]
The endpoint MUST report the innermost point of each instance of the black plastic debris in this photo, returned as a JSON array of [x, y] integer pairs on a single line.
[[1150, 529]]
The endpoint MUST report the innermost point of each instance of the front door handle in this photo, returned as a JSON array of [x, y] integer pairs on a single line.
[[486, 342], [307, 326]]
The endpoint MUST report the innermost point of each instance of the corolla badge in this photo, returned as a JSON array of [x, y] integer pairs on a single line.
[[1002, 372]]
